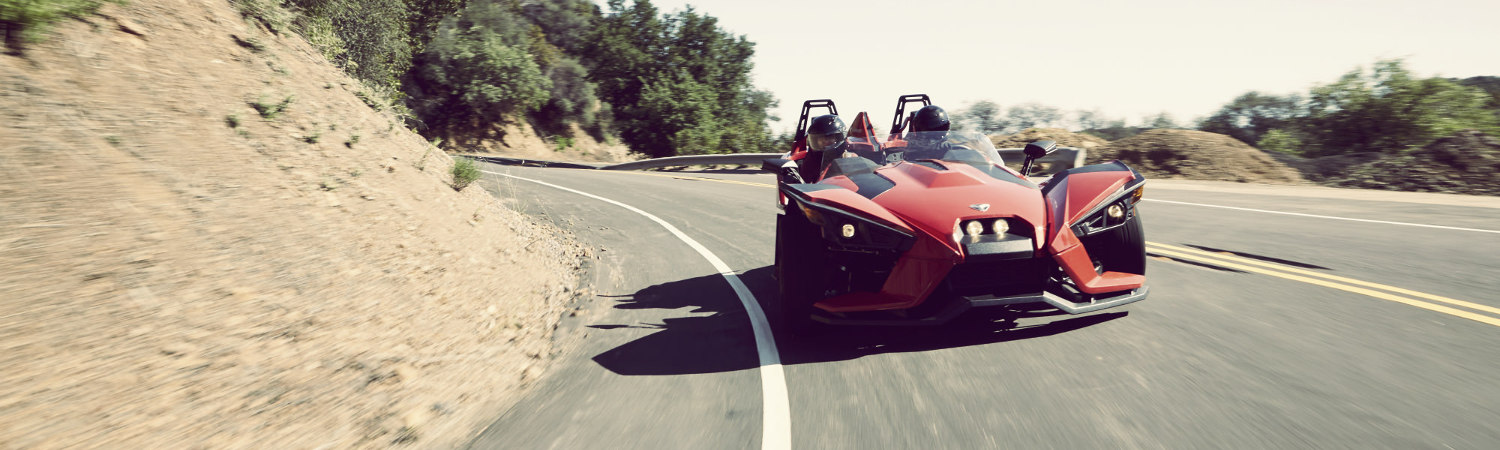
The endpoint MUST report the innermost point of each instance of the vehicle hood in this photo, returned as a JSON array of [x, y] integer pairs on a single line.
[[935, 196]]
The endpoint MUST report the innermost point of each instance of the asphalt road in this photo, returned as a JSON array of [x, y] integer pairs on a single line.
[[1245, 341]]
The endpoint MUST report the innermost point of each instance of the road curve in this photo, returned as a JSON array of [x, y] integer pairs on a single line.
[[1257, 333]]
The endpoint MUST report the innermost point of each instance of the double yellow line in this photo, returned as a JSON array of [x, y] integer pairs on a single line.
[[1436, 303], [1377, 290]]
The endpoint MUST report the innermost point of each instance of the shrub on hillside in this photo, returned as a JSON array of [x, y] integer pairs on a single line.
[[465, 172], [23, 20], [374, 35], [1279, 140]]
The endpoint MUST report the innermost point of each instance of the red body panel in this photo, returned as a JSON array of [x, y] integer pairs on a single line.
[[1076, 195], [931, 202]]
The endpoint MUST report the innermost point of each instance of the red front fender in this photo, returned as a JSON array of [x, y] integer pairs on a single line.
[[1073, 195]]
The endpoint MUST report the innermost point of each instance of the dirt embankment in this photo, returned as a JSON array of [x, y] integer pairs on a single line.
[[516, 141], [181, 270], [1465, 163], [1196, 155]]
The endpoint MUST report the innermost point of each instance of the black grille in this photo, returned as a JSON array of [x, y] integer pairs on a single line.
[[863, 271], [998, 278]]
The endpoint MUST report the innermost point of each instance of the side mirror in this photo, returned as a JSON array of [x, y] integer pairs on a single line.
[[1039, 149], [1036, 150], [785, 170]]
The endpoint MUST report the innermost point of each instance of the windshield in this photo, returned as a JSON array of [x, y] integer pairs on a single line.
[[965, 146]]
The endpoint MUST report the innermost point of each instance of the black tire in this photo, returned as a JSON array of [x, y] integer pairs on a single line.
[[1122, 249], [800, 267]]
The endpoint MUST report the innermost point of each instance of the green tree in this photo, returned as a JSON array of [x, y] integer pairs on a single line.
[[1252, 114], [1387, 109], [566, 23], [1089, 119], [1279, 140], [571, 99], [477, 69], [1031, 115], [1489, 84], [677, 83], [374, 36], [426, 15], [983, 116], [1161, 120]]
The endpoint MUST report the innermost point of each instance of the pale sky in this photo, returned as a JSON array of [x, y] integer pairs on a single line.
[[1129, 59]]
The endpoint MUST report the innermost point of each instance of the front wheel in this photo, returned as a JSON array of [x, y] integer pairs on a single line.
[[800, 265], [1122, 249]]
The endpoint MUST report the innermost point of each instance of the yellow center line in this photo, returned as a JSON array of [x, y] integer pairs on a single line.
[[1437, 298], [1343, 287]]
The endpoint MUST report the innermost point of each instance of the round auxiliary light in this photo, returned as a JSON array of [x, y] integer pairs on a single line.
[[1000, 226], [1115, 211], [847, 230], [973, 227]]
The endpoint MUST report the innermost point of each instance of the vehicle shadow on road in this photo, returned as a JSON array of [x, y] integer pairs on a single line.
[[722, 340]]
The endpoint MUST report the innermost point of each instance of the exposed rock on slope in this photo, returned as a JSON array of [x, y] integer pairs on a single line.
[[1196, 155]]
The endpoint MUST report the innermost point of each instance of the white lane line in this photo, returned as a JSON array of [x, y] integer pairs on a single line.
[[776, 420], [1326, 217]]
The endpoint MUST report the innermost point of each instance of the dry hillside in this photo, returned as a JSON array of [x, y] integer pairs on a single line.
[[1196, 155], [519, 141], [1465, 163], [183, 269], [1064, 138]]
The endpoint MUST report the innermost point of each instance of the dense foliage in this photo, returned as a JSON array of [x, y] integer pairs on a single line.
[[368, 38], [1384, 109], [480, 67], [678, 83], [988, 117], [1253, 114], [665, 84]]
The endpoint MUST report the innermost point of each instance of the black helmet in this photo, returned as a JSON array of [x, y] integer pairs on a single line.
[[825, 132], [930, 118]]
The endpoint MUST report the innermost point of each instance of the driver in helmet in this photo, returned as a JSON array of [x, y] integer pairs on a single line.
[[928, 136], [930, 118], [826, 134]]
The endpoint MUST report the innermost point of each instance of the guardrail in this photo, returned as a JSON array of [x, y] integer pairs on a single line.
[[528, 162], [748, 159], [1062, 158]]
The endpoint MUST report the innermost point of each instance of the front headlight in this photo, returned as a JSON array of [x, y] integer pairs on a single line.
[[1000, 226], [846, 231], [974, 228], [1113, 215]]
